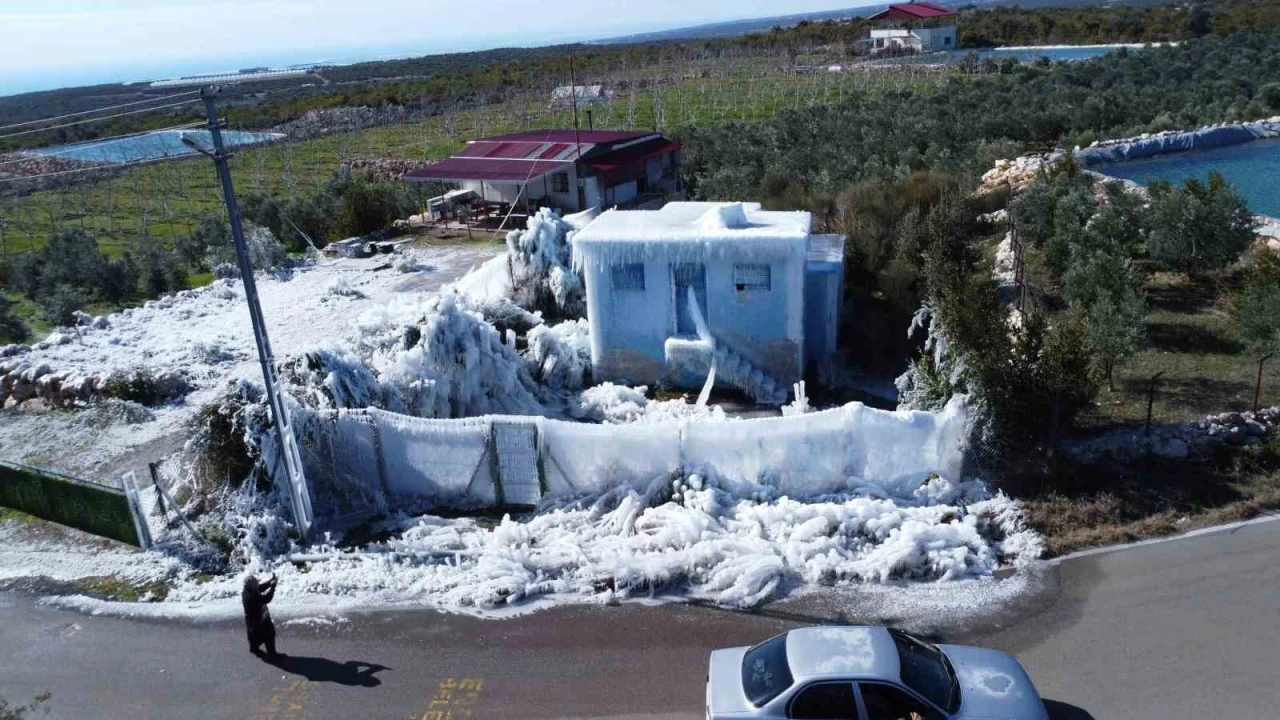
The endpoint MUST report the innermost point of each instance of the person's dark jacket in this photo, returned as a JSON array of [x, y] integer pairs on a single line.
[[255, 597]]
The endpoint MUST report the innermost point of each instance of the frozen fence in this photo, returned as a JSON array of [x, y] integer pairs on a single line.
[[361, 462]]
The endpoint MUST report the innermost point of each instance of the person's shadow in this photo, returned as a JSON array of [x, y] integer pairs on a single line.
[[316, 669]]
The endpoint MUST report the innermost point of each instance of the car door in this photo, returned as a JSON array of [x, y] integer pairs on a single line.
[[882, 701], [824, 701]]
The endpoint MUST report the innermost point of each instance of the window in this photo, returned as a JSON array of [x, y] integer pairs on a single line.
[[560, 182], [926, 670], [825, 701], [765, 673], [946, 40], [627, 277], [886, 702], [751, 277]]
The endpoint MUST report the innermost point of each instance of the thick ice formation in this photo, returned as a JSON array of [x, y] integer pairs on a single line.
[[682, 538], [540, 264]]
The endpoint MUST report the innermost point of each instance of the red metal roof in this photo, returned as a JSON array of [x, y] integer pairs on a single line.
[[914, 10], [554, 150], [474, 168], [586, 137], [633, 153]]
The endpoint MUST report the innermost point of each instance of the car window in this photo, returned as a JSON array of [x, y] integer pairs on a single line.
[[765, 672], [924, 669], [825, 701], [886, 702]]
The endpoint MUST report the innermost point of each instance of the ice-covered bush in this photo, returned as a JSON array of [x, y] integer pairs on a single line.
[[342, 287], [560, 355], [506, 315], [461, 366], [542, 269], [333, 378]]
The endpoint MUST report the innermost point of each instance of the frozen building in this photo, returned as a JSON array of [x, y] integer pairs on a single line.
[[570, 170], [918, 26], [695, 288]]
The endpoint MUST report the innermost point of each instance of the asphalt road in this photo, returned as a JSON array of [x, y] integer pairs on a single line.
[[1183, 629]]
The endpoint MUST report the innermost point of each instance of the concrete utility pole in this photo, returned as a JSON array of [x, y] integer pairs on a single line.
[[291, 460]]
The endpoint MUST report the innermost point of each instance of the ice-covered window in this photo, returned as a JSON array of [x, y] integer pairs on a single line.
[[751, 277], [627, 277], [560, 182]]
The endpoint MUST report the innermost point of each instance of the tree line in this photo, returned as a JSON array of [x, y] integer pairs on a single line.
[[71, 271]]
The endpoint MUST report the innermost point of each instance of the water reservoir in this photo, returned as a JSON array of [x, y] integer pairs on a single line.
[[1254, 167], [152, 146], [1023, 54]]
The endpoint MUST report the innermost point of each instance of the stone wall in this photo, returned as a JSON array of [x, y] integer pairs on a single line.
[[1178, 440]]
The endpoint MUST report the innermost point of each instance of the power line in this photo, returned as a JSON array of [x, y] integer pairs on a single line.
[[105, 117], [94, 112], [33, 155]]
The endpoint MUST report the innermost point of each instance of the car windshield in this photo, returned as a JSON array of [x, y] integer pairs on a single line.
[[765, 672], [926, 670]]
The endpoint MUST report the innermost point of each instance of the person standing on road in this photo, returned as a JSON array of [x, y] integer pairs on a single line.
[[257, 619]]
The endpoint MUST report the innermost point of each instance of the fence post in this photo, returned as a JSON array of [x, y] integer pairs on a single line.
[[375, 435], [155, 480], [499, 496], [130, 482], [543, 487], [1151, 398]]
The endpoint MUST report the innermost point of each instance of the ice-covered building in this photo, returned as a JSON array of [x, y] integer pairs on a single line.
[[918, 26], [676, 293], [570, 170]]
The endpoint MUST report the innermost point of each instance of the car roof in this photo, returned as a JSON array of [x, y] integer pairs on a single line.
[[842, 652]]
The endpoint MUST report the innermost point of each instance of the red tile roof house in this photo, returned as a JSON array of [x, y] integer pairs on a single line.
[[565, 169], [919, 26]]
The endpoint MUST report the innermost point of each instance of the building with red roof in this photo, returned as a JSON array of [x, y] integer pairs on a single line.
[[916, 26], [570, 170]]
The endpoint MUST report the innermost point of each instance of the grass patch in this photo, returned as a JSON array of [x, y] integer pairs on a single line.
[[109, 587], [11, 515], [1097, 506], [1194, 342]]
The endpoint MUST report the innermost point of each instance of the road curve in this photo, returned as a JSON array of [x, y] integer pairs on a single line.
[[1186, 628]]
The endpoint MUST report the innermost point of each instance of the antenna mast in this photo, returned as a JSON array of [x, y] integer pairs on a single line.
[[573, 98]]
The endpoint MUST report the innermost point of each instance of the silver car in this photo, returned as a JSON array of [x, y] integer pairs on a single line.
[[867, 673]]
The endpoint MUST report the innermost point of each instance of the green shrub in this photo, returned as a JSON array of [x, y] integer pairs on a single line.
[[60, 304]]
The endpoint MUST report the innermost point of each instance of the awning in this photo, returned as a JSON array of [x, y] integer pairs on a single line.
[[460, 169]]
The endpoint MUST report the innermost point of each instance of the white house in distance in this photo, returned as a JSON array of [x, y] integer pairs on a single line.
[[673, 294], [570, 170], [918, 26]]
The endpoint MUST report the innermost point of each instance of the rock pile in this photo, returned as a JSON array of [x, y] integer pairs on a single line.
[[1178, 440], [26, 164], [380, 168], [1018, 172], [21, 381], [328, 121]]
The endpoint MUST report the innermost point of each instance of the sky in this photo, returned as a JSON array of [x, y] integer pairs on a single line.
[[60, 43]]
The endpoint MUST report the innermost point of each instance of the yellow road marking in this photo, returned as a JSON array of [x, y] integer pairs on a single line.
[[454, 699], [288, 702]]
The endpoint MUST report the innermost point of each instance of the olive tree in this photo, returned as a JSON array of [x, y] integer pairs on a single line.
[[1257, 310], [1200, 226]]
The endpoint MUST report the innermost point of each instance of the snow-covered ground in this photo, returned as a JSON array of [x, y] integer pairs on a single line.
[[689, 540], [863, 504], [205, 334]]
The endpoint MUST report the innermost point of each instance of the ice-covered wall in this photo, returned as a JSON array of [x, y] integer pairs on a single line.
[[453, 462]]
